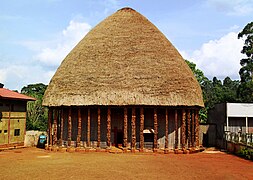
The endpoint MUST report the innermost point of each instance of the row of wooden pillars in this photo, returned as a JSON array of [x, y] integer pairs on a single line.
[[189, 135]]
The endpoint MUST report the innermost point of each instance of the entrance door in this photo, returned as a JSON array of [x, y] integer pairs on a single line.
[[118, 137], [148, 140]]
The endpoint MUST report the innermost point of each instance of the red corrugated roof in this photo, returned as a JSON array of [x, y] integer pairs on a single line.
[[8, 94]]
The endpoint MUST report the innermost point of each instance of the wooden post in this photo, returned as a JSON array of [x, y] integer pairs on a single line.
[[98, 143], [176, 130], [88, 128], [133, 130], [108, 135], [79, 128], [193, 129], [197, 128], [69, 127], [189, 128], [141, 129], [50, 126], [166, 130], [155, 129], [62, 119], [55, 127], [183, 129], [125, 127]]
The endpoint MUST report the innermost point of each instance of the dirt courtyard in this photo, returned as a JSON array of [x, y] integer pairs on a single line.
[[32, 163]]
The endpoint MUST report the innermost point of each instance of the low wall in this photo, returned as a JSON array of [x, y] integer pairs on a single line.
[[32, 137], [233, 147]]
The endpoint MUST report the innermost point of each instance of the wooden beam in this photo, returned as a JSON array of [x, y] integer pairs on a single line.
[[69, 127], [108, 135], [50, 126], [88, 128], [55, 126], [183, 127], [176, 129], [133, 129], [79, 128], [193, 129], [125, 127], [99, 124], [189, 128], [141, 128], [62, 125], [197, 128], [166, 129], [155, 128]]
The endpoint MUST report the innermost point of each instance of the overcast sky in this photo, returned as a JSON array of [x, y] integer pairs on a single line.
[[36, 35]]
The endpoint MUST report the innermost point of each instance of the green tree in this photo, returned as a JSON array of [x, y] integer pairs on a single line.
[[36, 113], [214, 91], [203, 81], [245, 91]]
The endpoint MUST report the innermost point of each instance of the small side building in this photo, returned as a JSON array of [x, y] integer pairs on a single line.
[[229, 117], [12, 117]]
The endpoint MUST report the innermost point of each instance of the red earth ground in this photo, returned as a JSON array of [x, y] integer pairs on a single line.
[[32, 163]]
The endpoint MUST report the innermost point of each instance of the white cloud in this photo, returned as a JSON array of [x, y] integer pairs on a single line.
[[58, 49], [220, 57], [233, 7], [15, 76]]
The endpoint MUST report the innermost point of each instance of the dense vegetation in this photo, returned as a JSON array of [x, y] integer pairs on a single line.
[[36, 113]]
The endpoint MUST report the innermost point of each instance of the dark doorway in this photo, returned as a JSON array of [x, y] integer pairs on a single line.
[[118, 137], [148, 140]]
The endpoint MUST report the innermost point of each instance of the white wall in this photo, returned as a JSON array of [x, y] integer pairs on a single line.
[[239, 109]]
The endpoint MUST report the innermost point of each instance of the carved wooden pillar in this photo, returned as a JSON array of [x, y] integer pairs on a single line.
[[166, 129], [79, 128], [193, 129], [189, 128], [69, 128], [55, 126], [141, 128], [197, 127], [50, 126], [183, 127], [176, 129], [99, 124], [125, 127], [62, 119], [88, 128], [108, 127], [133, 129], [155, 128]]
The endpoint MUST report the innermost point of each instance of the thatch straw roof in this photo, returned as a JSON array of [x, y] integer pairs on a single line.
[[124, 60]]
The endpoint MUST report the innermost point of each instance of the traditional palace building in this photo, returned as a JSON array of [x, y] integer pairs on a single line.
[[124, 85]]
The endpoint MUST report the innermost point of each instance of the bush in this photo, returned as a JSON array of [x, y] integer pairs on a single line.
[[246, 153]]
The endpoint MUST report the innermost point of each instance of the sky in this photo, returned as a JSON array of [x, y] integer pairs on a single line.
[[36, 35]]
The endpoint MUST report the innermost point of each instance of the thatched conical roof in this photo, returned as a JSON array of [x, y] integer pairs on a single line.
[[124, 60]]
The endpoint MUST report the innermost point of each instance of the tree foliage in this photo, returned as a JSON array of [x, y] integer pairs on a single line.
[[214, 91], [245, 90], [36, 113]]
